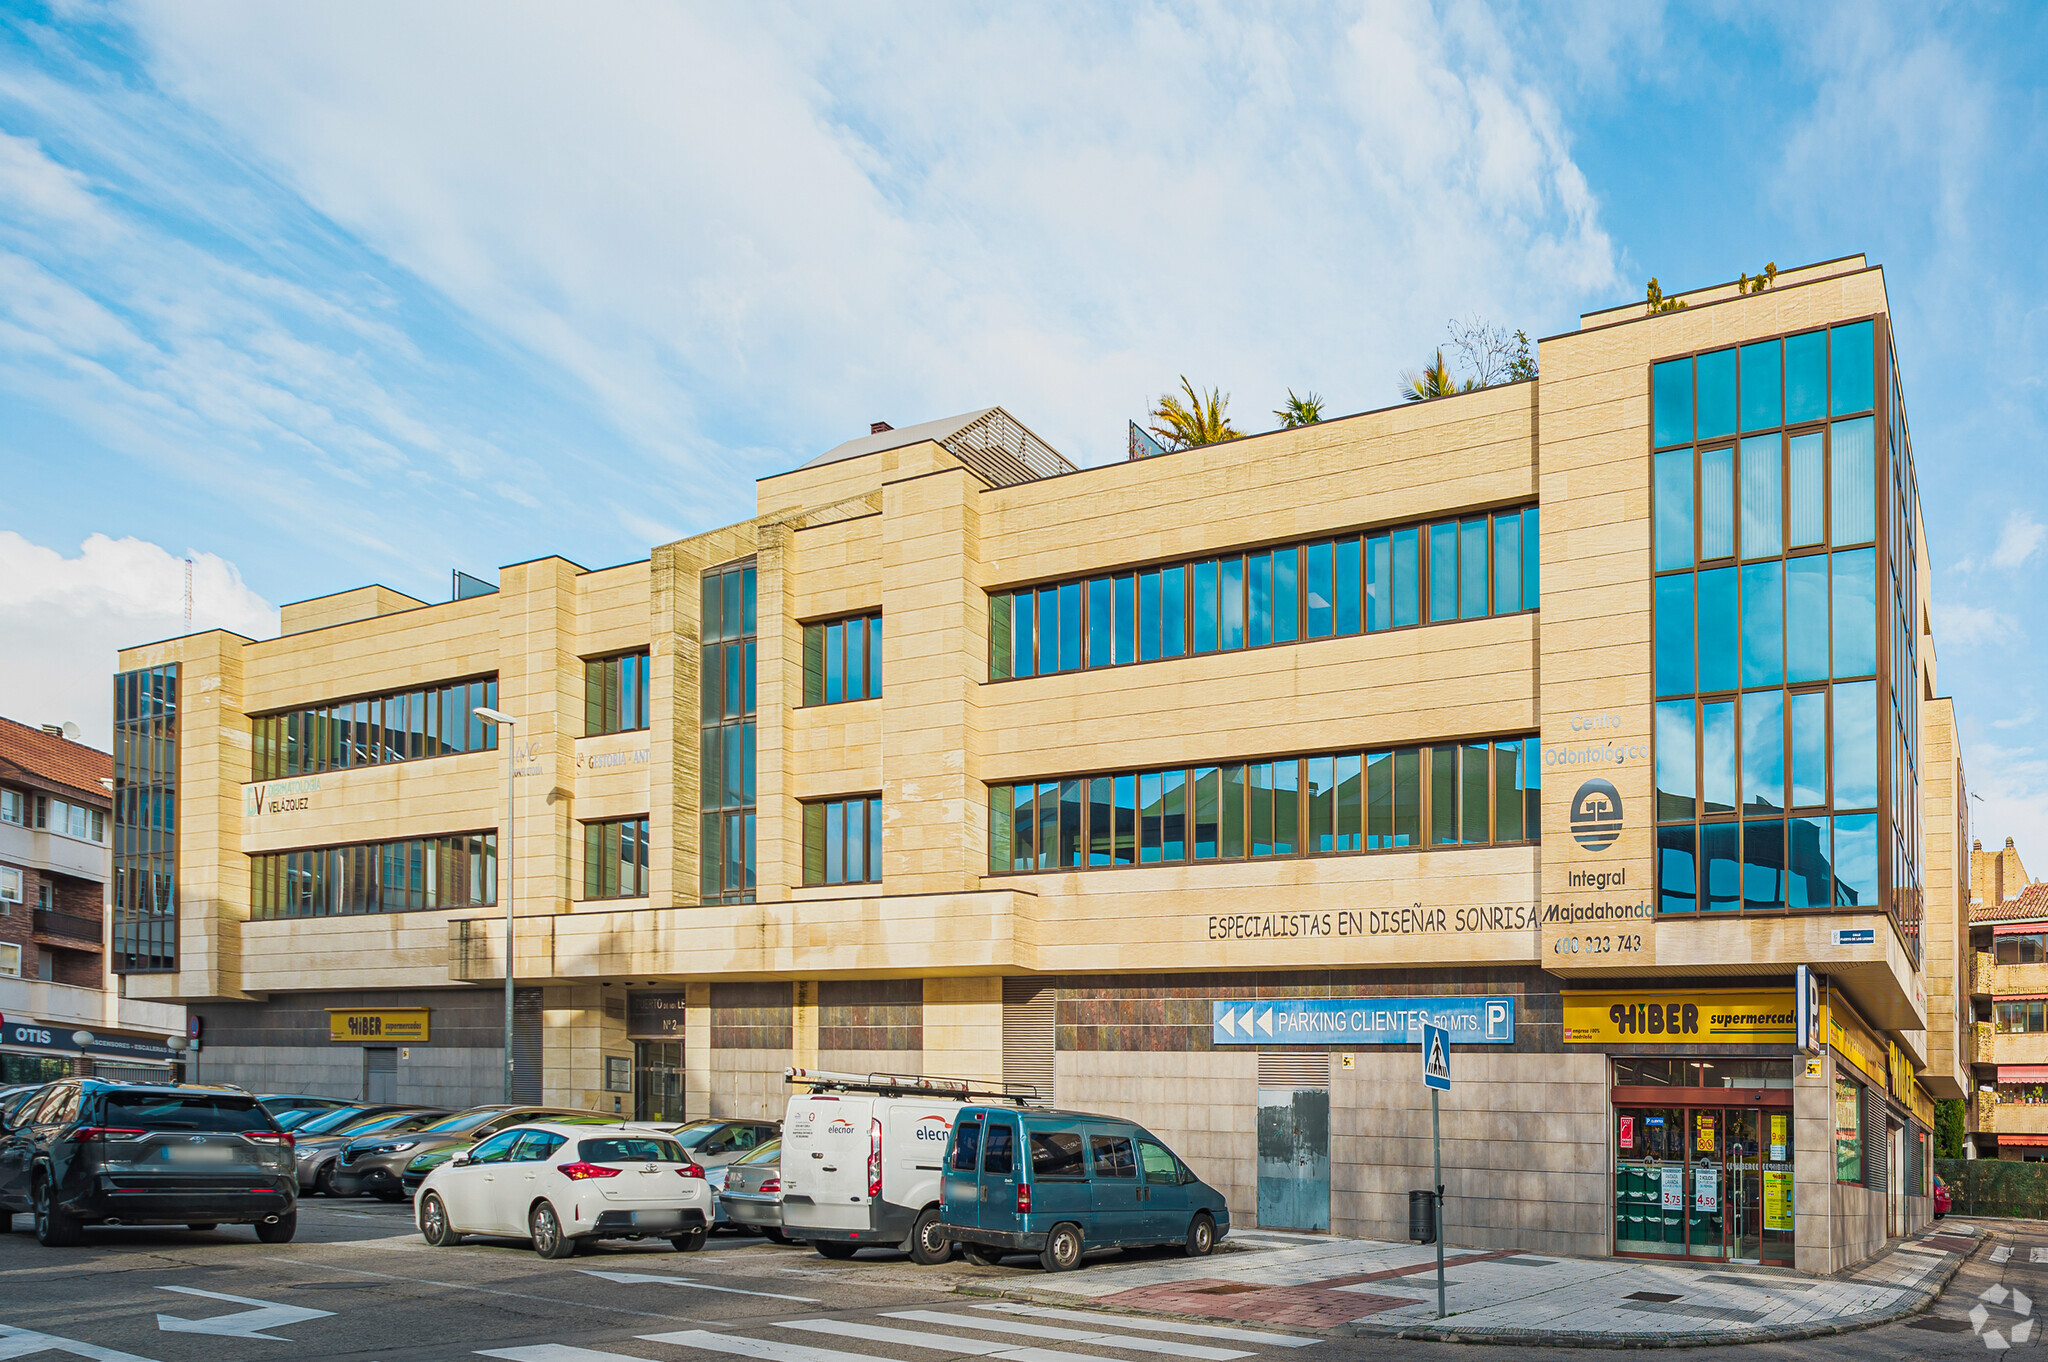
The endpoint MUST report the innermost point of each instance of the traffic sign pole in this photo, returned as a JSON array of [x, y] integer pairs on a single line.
[[1436, 1141]]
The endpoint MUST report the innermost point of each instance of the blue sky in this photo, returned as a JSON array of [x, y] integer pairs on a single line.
[[325, 295]]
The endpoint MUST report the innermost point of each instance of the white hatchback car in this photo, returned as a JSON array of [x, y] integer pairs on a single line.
[[559, 1185]]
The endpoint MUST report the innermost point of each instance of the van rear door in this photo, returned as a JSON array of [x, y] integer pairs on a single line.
[[999, 1174], [962, 1187], [825, 1162]]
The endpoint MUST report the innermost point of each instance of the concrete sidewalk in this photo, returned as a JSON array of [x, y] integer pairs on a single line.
[[1366, 1288]]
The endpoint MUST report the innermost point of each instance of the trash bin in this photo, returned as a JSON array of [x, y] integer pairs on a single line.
[[1422, 1217]]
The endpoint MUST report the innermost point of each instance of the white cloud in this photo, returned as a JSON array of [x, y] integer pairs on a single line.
[[1969, 626], [63, 619], [2019, 541], [2012, 788], [766, 224]]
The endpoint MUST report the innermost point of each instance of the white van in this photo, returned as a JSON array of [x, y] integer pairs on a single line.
[[861, 1157]]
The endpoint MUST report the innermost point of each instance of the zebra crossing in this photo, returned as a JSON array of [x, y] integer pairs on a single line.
[[1015, 1333]]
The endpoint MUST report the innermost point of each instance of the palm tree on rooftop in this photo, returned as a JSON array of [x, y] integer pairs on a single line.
[[1435, 380], [1198, 421]]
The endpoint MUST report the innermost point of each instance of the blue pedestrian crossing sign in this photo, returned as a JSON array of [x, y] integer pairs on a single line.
[[1436, 1057]]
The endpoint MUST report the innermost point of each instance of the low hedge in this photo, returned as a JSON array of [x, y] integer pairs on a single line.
[[1996, 1187]]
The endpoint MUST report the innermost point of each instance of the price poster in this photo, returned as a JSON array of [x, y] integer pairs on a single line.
[[1779, 1123], [1628, 1132], [1703, 1134], [1706, 1189], [1777, 1198], [1674, 1187]]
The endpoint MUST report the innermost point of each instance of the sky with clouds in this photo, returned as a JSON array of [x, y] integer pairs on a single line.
[[322, 295]]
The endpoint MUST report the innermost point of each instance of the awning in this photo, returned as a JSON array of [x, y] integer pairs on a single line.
[[2018, 928], [2023, 1073], [2026, 1141]]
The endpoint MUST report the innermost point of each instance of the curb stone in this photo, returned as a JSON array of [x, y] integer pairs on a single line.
[[1923, 1296]]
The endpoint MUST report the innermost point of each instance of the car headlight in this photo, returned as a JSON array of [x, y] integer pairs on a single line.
[[398, 1148]]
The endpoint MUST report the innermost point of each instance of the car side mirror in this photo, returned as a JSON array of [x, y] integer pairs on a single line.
[[459, 1161]]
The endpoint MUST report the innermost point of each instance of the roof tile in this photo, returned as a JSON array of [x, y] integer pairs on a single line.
[[33, 755]]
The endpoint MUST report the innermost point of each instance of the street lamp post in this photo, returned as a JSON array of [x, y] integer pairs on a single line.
[[505, 877]]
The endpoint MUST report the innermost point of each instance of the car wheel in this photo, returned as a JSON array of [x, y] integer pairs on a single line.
[[203, 1225], [929, 1243], [323, 1181], [689, 1241], [54, 1229], [987, 1255], [835, 1248], [1201, 1236], [280, 1230], [434, 1225], [1062, 1249], [548, 1239]]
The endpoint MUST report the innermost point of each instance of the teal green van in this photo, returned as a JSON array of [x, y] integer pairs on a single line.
[[1058, 1183]]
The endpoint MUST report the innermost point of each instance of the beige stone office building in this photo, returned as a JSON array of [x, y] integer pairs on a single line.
[[1574, 714]]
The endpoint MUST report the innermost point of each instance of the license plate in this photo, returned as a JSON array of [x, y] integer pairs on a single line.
[[657, 1220], [201, 1153]]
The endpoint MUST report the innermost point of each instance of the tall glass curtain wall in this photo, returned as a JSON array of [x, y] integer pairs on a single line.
[[615, 859], [456, 871], [1460, 794], [726, 866], [403, 726], [843, 841], [1464, 568], [1906, 848], [145, 852], [615, 693], [1767, 559], [843, 660]]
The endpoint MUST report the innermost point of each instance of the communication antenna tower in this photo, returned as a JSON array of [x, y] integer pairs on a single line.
[[188, 591]]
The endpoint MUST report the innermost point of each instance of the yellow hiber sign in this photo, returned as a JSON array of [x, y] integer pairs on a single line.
[[377, 1024], [1679, 1017]]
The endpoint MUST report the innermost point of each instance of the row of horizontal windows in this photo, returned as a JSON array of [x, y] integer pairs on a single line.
[[145, 752], [843, 841], [1763, 864], [1462, 794], [615, 693], [401, 726], [148, 694], [843, 660], [1455, 569], [2021, 948], [1765, 624], [1768, 751], [2021, 1016], [1784, 382], [26, 809], [615, 859], [1767, 495], [455, 871]]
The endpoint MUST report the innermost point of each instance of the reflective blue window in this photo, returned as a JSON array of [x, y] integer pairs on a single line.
[[1716, 382], [1507, 563], [1207, 609], [1101, 622], [1677, 775], [1806, 378], [1025, 632], [1126, 619], [1763, 623], [1717, 504], [1350, 583], [1230, 595], [1259, 577], [1720, 644], [1808, 490], [1721, 862], [1763, 499], [1173, 624], [1763, 863], [1761, 405], [1674, 509], [1531, 595], [1406, 588], [1379, 583], [1806, 618], [1472, 569], [1677, 877], [1717, 757], [1855, 612], [1855, 745], [1070, 626], [1443, 571], [1320, 592], [1675, 675], [1852, 357], [1286, 595], [1049, 630], [1852, 481], [1809, 749], [1763, 751], [1856, 860], [1671, 402], [1810, 878]]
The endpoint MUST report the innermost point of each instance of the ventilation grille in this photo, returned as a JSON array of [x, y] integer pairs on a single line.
[[1029, 1039], [1294, 1069], [615, 1008], [526, 1046]]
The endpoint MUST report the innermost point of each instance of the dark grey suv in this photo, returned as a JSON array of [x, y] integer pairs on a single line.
[[94, 1152]]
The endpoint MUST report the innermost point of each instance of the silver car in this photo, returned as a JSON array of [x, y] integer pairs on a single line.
[[752, 1195], [318, 1156]]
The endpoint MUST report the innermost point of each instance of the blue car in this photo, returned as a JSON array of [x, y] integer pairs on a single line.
[[1059, 1183]]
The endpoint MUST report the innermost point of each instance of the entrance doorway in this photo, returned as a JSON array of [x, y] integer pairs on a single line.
[[1704, 1182], [1294, 1158], [380, 1073], [657, 1080]]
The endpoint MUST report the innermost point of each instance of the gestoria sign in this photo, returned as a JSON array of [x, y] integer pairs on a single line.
[[1680, 1017]]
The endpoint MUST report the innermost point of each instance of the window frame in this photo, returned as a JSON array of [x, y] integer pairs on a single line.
[[815, 818], [612, 662]]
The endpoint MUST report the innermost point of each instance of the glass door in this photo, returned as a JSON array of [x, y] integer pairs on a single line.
[[1705, 1148], [1775, 1129], [1744, 1193], [1649, 1180]]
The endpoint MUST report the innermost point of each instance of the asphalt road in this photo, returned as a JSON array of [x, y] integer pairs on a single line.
[[359, 1283]]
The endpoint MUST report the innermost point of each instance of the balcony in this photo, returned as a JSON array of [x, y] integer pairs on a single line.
[[1980, 1049], [1984, 1114], [1981, 974], [2007, 980], [2017, 1118], [65, 929]]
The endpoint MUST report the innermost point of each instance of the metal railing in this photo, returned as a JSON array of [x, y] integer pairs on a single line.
[[50, 922]]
